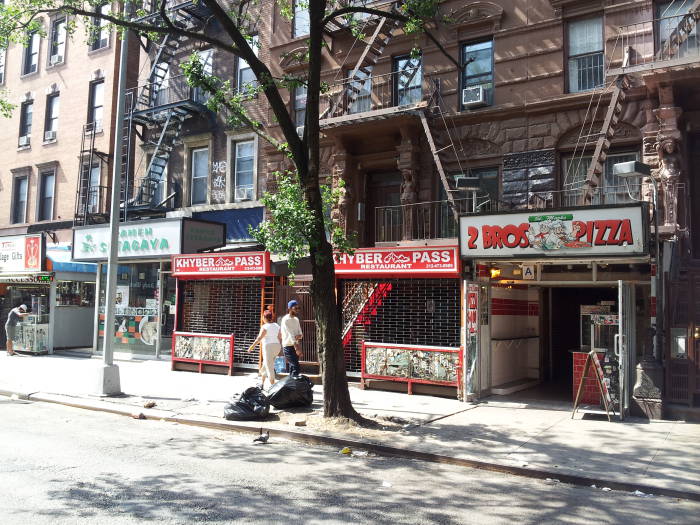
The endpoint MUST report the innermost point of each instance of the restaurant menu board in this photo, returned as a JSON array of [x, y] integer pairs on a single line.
[[198, 348], [410, 363]]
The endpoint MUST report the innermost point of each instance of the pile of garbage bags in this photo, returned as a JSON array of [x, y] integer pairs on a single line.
[[254, 404]]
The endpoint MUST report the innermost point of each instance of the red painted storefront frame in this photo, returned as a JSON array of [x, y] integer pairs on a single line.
[[201, 362]]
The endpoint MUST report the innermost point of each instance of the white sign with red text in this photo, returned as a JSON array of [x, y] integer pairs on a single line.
[[212, 265], [439, 260], [579, 232], [21, 253]]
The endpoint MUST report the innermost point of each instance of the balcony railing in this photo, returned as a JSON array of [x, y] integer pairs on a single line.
[[662, 42], [172, 92], [386, 93], [435, 219]]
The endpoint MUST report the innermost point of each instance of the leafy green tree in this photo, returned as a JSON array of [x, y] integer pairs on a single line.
[[298, 226]]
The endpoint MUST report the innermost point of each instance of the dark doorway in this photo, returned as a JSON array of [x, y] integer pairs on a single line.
[[383, 217], [694, 179]]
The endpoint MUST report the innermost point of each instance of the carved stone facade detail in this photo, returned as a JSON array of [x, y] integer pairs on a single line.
[[668, 148], [407, 163], [341, 165], [475, 13]]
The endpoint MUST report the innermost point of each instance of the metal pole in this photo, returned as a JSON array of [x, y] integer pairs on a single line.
[[109, 383]]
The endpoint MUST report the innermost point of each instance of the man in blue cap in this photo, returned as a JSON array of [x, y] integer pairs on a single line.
[[291, 337]]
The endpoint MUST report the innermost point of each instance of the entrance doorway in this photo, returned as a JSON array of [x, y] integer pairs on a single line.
[[384, 220]]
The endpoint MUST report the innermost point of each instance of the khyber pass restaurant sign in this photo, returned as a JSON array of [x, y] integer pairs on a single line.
[[409, 262], [209, 266], [581, 232]]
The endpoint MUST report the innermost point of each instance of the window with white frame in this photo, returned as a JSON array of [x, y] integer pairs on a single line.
[[361, 91], [611, 189], [301, 25], [408, 80], [31, 54], [99, 37], [586, 54], [19, 199], [206, 57], [243, 163], [299, 105], [57, 49], [3, 54], [96, 104], [51, 124], [47, 187], [477, 70], [94, 190], [669, 16], [25, 122], [199, 175], [246, 80]]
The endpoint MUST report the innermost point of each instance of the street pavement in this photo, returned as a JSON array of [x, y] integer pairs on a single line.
[[62, 465], [529, 438]]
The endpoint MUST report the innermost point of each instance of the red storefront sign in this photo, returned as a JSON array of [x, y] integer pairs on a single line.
[[216, 266], [436, 261], [472, 308]]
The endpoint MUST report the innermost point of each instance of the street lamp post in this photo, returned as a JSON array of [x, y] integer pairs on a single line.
[[108, 383]]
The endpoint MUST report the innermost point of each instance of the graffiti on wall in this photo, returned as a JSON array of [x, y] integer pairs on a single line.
[[218, 182]]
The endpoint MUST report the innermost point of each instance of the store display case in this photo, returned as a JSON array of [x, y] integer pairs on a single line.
[[202, 349], [412, 364], [33, 335]]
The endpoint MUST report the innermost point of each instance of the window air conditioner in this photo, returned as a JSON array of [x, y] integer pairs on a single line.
[[49, 135], [24, 141], [474, 96], [55, 59], [300, 131], [244, 194]]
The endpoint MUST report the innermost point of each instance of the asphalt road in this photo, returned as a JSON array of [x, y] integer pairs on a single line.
[[60, 465]]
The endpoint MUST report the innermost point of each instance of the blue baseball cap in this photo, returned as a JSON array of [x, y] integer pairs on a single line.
[[291, 303]]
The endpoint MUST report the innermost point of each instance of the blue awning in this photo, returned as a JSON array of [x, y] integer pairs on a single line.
[[61, 262], [237, 221]]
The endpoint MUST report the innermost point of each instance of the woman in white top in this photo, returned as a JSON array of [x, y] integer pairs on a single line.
[[271, 346]]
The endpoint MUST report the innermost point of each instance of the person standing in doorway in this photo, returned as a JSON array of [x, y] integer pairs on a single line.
[[270, 337], [13, 318], [291, 337]]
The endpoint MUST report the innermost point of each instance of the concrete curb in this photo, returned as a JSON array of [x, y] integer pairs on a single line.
[[383, 450]]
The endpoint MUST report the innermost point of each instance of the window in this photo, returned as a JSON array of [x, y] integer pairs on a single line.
[[200, 175], [51, 124], [47, 182], [477, 70], [244, 167], [670, 15], [100, 30], [612, 189], [359, 92], [301, 23], [96, 104], [19, 200], [94, 190], [58, 42], [246, 79], [3, 53], [163, 95], [488, 195], [299, 103], [25, 122], [585, 41], [31, 54], [408, 80], [206, 57]]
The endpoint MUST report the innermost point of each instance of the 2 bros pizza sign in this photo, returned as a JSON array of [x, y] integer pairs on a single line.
[[581, 232]]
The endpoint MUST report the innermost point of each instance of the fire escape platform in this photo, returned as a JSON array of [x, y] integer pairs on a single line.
[[151, 115], [372, 116]]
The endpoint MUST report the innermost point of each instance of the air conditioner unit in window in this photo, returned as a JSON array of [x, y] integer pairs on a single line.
[[55, 59], [474, 96], [244, 194], [300, 131], [49, 135], [24, 141]]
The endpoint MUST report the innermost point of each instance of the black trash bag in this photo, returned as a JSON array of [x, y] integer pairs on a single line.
[[292, 391], [251, 404]]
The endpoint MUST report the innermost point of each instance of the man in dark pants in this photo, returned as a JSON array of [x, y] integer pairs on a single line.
[[291, 337]]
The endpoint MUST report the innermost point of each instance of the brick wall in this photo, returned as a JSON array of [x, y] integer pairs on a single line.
[[226, 306], [404, 311]]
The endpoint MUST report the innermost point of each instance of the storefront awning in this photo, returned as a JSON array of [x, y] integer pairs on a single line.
[[59, 260], [237, 221]]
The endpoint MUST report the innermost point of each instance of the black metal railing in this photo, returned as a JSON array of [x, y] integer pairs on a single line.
[[170, 92]]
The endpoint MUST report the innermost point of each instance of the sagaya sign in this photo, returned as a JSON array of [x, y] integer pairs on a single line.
[[210, 266], [148, 239], [583, 232], [434, 261], [21, 253]]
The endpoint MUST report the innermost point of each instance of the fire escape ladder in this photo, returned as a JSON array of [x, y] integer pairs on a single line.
[[437, 151], [607, 131], [382, 35], [356, 303], [85, 160], [680, 34], [126, 150]]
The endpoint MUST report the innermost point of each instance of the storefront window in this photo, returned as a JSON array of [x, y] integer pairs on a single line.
[[136, 315], [75, 293]]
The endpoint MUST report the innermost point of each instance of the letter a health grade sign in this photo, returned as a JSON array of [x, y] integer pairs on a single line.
[[581, 232]]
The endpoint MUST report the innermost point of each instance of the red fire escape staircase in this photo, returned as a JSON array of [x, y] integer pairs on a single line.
[[363, 305]]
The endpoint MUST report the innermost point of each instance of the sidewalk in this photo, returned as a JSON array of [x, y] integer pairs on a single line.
[[659, 456]]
